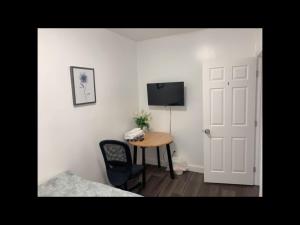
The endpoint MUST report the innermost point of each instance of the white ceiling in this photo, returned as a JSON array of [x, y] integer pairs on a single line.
[[140, 34]]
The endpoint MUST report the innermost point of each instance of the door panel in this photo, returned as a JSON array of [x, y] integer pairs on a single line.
[[229, 113], [217, 106], [239, 106], [217, 154], [239, 146], [240, 72], [216, 74]]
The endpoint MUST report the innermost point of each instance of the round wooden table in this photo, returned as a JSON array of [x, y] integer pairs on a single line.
[[153, 139]]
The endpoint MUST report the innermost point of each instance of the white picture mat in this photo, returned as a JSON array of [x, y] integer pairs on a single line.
[[84, 92]]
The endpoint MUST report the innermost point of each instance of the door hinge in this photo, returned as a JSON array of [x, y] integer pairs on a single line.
[[255, 123], [257, 73], [254, 169]]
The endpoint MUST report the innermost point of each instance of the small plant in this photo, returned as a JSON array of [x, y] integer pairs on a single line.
[[142, 119]]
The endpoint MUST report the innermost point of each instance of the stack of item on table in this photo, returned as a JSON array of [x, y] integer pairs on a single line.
[[136, 134]]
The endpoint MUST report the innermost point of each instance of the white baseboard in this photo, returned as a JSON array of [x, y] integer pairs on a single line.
[[191, 167], [196, 168]]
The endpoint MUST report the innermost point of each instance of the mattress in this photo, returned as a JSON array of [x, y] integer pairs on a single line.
[[67, 184]]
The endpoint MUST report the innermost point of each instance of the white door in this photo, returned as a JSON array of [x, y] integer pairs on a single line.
[[229, 120]]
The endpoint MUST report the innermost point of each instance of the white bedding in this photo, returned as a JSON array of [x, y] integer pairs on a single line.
[[68, 184]]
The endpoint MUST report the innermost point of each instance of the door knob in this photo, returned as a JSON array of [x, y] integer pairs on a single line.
[[207, 131]]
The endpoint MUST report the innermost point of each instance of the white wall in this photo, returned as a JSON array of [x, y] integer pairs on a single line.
[[179, 58], [258, 41], [68, 136]]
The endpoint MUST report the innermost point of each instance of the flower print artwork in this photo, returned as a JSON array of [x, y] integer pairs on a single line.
[[83, 78], [83, 85]]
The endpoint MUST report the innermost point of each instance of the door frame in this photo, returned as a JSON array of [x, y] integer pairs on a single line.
[[258, 128]]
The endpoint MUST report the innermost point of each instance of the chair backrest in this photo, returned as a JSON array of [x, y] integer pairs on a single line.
[[116, 154]]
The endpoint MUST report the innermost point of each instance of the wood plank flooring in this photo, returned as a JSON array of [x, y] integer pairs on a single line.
[[190, 184]]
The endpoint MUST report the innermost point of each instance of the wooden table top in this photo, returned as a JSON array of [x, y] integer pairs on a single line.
[[153, 139]]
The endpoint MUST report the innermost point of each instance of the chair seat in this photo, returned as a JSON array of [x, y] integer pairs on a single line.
[[136, 170], [120, 176]]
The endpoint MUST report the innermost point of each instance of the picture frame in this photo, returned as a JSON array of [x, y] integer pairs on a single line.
[[83, 85]]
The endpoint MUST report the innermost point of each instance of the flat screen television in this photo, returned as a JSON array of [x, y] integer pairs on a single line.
[[166, 94]]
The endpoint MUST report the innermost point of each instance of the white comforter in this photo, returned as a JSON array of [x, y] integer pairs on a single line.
[[68, 184]]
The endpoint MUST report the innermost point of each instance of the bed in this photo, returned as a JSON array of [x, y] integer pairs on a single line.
[[68, 184]]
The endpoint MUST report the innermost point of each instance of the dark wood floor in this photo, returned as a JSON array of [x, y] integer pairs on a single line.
[[190, 184]]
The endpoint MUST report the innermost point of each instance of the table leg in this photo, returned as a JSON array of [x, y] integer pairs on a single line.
[[158, 157], [170, 161], [134, 154], [144, 164]]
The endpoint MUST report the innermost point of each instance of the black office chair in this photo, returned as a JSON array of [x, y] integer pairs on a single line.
[[118, 164]]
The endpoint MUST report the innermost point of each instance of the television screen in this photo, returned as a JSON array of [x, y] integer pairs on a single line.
[[166, 94]]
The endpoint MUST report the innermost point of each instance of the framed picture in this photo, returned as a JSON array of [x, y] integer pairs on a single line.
[[83, 85]]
